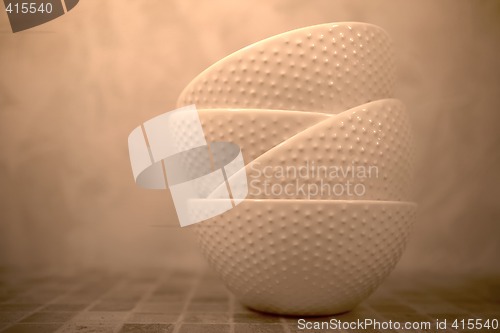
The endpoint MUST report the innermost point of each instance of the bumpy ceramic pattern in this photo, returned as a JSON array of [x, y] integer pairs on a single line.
[[373, 137], [255, 131], [325, 68], [319, 95], [306, 257]]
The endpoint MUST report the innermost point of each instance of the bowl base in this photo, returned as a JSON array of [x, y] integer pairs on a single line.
[[311, 312]]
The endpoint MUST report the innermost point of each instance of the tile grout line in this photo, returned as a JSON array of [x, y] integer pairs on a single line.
[[417, 310], [285, 326], [145, 295], [86, 309], [52, 301], [194, 288], [232, 301]]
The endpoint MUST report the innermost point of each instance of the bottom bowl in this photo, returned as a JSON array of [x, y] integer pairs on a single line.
[[305, 257]]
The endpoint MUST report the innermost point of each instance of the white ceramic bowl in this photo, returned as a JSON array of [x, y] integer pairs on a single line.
[[324, 68], [255, 131], [364, 153], [305, 257]]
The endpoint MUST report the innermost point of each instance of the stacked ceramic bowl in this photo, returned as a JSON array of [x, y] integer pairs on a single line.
[[328, 161]]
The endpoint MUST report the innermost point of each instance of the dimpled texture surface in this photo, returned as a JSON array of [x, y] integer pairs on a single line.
[[373, 140], [255, 131], [325, 68], [303, 257], [288, 252]]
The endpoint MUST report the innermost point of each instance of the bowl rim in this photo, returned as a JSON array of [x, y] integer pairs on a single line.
[[322, 114], [270, 111], [277, 36], [317, 201]]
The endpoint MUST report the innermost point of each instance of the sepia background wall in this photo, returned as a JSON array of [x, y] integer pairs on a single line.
[[71, 91]]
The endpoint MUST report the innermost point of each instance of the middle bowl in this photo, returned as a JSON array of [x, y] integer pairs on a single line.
[[364, 153]]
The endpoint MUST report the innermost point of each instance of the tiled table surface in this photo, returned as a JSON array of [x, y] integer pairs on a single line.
[[184, 301]]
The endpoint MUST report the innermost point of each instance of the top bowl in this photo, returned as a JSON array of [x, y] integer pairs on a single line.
[[324, 68]]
